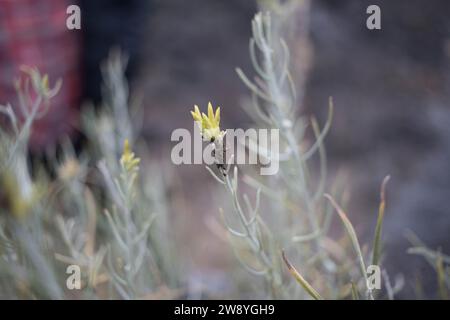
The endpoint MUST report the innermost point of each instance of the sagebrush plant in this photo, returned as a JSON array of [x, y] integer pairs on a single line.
[[99, 211], [295, 228], [105, 208]]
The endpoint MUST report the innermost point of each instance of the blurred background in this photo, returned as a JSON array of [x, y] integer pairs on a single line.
[[391, 90]]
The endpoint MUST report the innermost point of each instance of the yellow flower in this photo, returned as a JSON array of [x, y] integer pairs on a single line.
[[209, 124], [40, 82], [16, 202], [128, 160]]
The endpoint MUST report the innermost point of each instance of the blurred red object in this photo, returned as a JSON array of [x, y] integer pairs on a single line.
[[34, 33]]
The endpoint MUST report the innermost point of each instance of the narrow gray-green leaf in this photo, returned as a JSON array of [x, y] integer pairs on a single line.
[[378, 228], [311, 291], [352, 234]]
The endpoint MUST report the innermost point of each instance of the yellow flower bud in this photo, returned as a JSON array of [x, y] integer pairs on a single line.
[[209, 124]]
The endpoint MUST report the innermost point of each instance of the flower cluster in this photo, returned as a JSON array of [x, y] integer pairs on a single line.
[[209, 124], [39, 83], [18, 199], [128, 161]]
